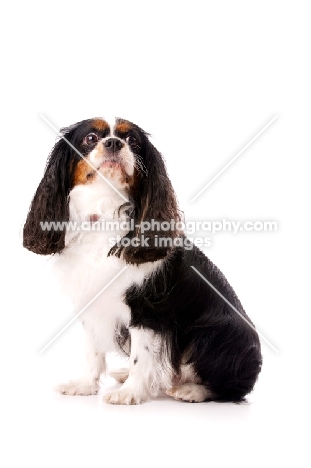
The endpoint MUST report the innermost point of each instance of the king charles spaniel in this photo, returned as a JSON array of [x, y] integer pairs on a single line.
[[146, 293]]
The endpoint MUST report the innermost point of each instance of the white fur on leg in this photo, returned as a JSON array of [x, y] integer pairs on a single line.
[[191, 392], [147, 374], [135, 389]]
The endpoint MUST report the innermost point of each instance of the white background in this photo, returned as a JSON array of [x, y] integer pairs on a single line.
[[203, 78]]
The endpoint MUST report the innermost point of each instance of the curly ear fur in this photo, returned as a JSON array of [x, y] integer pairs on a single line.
[[50, 203], [153, 199]]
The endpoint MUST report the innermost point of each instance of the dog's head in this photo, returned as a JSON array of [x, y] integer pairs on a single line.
[[122, 155]]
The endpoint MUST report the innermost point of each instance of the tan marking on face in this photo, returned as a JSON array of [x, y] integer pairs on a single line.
[[100, 124], [123, 127], [83, 173]]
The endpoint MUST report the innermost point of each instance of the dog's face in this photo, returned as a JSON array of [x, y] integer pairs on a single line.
[[116, 153], [108, 149]]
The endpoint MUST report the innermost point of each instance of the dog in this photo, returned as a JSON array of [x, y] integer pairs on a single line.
[[149, 294]]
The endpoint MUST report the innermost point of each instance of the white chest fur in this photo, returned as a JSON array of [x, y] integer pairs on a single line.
[[94, 281]]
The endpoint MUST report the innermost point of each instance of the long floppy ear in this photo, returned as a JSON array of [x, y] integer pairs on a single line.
[[154, 200], [50, 203]]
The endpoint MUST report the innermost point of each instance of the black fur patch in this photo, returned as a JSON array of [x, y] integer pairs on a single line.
[[194, 321]]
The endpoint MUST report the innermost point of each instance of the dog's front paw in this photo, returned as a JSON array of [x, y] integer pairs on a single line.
[[78, 387], [125, 397]]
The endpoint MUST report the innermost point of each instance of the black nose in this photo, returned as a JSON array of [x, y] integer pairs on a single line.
[[113, 144]]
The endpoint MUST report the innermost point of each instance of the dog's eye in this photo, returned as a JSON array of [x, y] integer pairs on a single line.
[[130, 140], [90, 139]]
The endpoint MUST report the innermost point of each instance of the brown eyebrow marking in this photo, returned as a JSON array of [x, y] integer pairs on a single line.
[[123, 127], [100, 125]]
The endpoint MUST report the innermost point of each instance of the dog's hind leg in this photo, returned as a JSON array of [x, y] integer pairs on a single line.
[[191, 392], [120, 375]]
